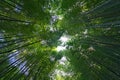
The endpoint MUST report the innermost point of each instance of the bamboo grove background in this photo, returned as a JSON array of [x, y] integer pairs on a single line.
[[30, 31]]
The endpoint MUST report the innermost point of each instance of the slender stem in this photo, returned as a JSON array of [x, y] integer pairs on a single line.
[[20, 47], [23, 70], [11, 4]]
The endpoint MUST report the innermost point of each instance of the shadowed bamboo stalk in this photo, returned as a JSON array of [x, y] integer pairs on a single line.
[[20, 47]]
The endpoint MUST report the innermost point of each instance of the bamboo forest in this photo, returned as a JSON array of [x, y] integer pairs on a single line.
[[59, 39]]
